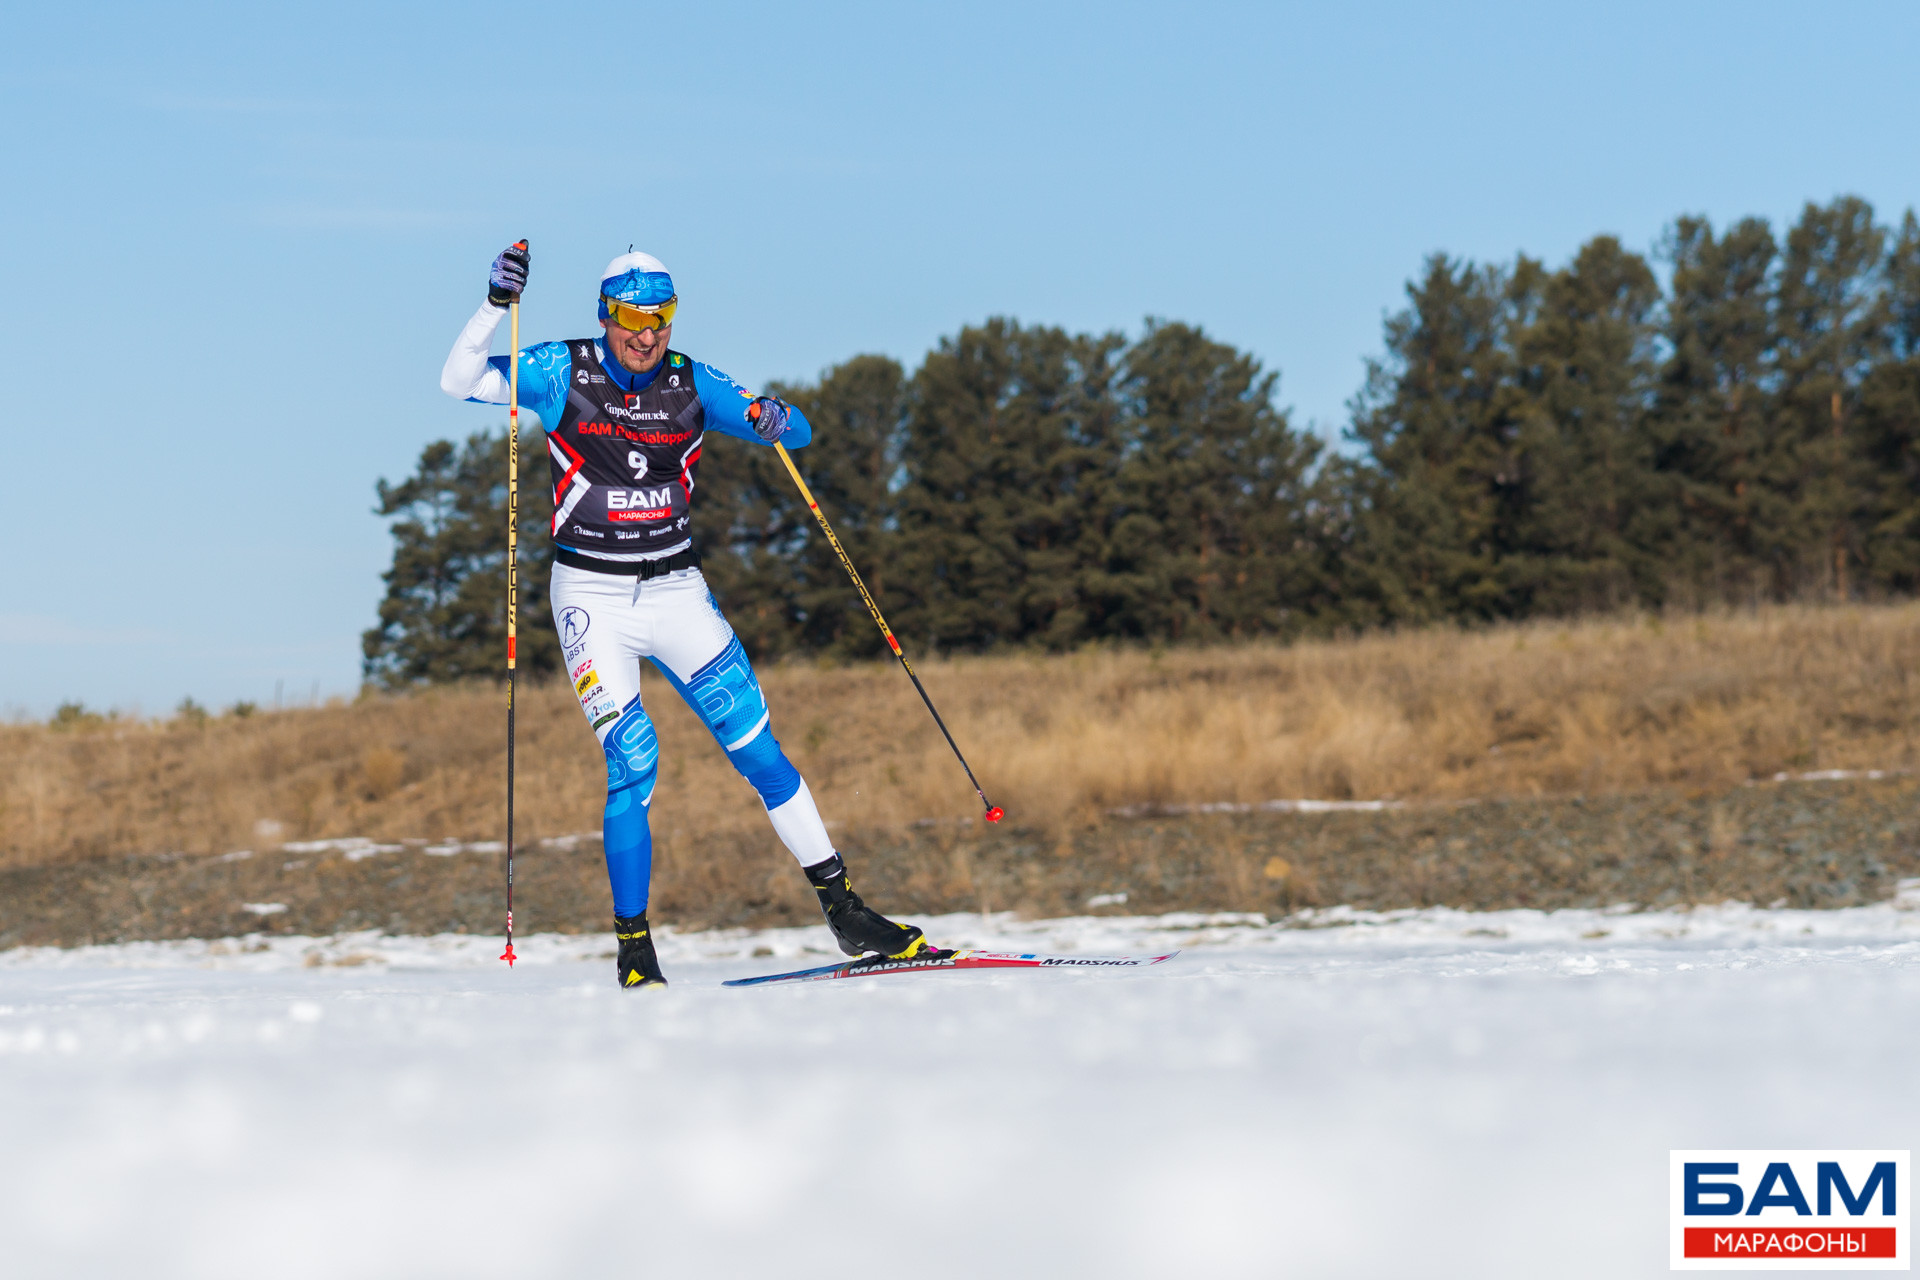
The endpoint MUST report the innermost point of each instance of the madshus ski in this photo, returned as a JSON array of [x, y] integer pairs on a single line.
[[962, 959]]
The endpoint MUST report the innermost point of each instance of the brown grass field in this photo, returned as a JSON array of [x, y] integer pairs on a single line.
[[1692, 707]]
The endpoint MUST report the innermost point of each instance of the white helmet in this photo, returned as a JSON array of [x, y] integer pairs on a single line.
[[637, 279]]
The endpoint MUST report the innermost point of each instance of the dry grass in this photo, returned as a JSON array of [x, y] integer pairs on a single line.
[[1701, 704]]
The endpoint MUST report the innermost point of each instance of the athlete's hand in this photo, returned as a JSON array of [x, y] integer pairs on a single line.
[[509, 275], [768, 418]]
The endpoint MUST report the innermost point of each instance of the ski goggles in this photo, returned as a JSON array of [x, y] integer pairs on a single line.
[[629, 316]]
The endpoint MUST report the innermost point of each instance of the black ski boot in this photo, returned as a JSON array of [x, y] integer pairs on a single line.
[[636, 966], [857, 927]]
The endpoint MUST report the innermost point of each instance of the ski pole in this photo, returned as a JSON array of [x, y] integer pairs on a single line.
[[513, 578], [994, 812]]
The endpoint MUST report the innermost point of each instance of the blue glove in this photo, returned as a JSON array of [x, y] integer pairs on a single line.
[[509, 275], [768, 417]]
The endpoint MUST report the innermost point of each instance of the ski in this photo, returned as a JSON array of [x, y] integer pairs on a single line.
[[962, 959]]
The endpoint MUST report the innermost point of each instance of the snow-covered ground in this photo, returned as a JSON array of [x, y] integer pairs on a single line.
[[1430, 1093]]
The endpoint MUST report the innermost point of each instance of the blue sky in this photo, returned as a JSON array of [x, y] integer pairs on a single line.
[[242, 237]]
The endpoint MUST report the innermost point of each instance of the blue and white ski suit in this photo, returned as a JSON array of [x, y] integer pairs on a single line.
[[608, 622]]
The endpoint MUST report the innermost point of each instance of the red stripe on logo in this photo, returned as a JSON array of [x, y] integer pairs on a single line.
[[1791, 1242]]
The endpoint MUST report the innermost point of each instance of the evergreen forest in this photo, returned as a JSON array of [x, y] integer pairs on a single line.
[[1732, 419]]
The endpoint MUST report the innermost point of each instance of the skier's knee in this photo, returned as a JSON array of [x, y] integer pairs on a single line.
[[727, 695], [633, 755], [762, 763]]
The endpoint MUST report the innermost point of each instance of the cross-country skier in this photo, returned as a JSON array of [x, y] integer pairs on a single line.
[[624, 416]]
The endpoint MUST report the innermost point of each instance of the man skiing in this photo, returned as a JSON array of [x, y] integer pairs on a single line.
[[624, 416]]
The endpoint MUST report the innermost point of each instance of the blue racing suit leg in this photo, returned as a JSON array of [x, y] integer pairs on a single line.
[[633, 756], [726, 695]]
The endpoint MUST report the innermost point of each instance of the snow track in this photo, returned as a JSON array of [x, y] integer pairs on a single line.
[[1340, 1094]]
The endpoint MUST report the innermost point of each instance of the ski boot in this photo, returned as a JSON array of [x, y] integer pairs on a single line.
[[857, 927], [636, 966]]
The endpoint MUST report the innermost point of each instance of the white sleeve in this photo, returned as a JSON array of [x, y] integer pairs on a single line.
[[467, 375]]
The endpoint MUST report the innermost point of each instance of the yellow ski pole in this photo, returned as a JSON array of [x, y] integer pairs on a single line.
[[513, 578], [994, 812]]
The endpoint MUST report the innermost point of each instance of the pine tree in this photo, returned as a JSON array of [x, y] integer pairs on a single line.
[[1007, 457], [444, 615], [1582, 465], [1831, 328], [1439, 419], [1210, 523], [1886, 429], [1710, 421]]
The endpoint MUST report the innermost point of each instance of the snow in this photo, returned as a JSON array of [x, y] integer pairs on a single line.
[[1340, 1093], [1264, 806]]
